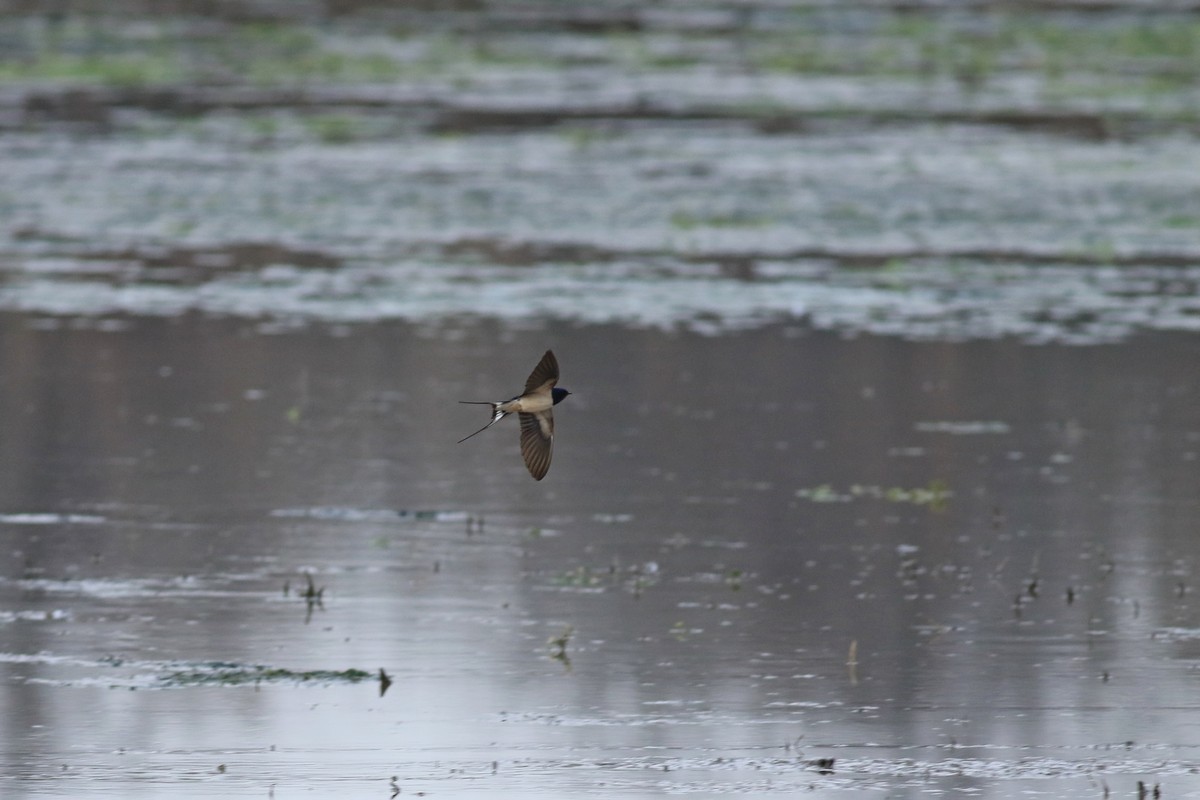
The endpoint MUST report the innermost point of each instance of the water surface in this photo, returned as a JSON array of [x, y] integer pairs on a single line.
[[1006, 553], [879, 475]]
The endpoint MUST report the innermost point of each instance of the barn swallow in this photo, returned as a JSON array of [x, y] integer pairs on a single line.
[[536, 409]]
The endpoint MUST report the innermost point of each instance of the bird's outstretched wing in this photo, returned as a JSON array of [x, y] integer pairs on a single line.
[[537, 438], [544, 375]]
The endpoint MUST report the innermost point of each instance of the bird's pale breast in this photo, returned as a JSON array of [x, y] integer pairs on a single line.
[[532, 404]]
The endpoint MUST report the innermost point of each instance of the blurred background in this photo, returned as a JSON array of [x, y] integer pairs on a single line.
[[920, 169]]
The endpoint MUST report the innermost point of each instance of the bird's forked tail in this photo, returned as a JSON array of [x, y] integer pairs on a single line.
[[497, 415]]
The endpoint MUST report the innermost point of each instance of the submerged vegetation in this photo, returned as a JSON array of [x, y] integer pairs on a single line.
[[935, 495], [975, 46], [1130, 52], [230, 674]]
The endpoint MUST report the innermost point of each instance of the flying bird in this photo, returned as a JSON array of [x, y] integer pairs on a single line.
[[535, 407]]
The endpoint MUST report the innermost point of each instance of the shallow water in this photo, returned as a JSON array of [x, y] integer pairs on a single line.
[[927, 175], [1007, 551], [880, 472]]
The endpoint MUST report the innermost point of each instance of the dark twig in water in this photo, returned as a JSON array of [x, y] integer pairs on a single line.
[[313, 597], [824, 765], [559, 643], [734, 579]]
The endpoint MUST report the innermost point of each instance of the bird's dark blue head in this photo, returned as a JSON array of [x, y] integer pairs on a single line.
[[558, 394]]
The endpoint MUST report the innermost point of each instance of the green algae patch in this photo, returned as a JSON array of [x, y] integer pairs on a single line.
[[232, 674], [935, 495]]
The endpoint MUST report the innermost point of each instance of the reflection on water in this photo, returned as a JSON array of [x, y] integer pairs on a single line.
[[949, 567]]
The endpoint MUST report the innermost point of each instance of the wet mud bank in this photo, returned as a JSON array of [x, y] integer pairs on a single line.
[[708, 167], [109, 110]]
